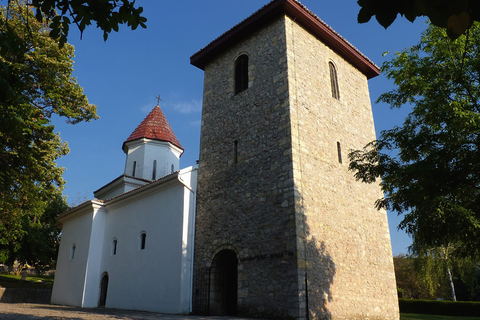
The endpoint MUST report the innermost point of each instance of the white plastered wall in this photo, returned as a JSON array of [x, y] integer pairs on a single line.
[[157, 278], [144, 151], [82, 229]]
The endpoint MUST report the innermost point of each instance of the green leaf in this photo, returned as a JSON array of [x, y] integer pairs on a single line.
[[386, 18], [364, 15], [54, 33]]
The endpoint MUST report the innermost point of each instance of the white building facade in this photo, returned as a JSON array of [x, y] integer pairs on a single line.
[[132, 248]]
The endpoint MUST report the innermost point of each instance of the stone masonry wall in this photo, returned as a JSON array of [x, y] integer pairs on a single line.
[[288, 208], [249, 206], [347, 244]]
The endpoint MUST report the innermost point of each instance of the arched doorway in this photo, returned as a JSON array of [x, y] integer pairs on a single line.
[[103, 290], [223, 285]]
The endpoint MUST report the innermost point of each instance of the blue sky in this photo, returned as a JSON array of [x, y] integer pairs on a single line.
[[123, 75]]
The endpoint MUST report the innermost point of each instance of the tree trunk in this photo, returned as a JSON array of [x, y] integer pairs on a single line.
[[452, 287]]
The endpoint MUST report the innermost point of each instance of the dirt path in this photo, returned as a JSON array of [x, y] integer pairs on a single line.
[[29, 311]]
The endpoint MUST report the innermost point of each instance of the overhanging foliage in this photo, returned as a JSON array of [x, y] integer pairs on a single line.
[[430, 166]]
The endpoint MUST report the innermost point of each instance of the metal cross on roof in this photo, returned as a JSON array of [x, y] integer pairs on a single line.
[[158, 100]]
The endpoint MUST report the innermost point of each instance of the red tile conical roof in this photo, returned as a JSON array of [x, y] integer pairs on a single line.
[[155, 126]]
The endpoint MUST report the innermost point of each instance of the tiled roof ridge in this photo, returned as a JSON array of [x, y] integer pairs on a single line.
[[155, 126], [331, 29], [271, 3], [235, 26]]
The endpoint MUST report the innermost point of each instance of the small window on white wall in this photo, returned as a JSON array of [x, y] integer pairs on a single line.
[[154, 173], [173, 168], [72, 252], [113, 250], [142, 240]]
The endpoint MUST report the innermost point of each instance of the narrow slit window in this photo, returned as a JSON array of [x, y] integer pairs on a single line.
[[339, 151], [72, 252], [235, 151], [241, 73], [334, 81], [143, 238], [114, 247], [154, 173], [173, 168], [134, 167]]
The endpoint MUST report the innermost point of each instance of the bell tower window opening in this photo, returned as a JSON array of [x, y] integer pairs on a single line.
[[154, 173], [235, 151], [241, 73], [334, 81], [339, 151], [173, 168], [134, 167]]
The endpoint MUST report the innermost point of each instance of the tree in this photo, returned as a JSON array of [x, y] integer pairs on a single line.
[[35, 82], [39, 246], [430, 166], [445, 275], [434, 267], [408, 281], [424, 275], [467, 283], [108, 15], [453, 15]]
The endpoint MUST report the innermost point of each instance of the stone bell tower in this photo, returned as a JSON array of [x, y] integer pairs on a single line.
[[283, 230]]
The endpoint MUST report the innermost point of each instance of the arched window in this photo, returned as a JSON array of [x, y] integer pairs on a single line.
[[141, 240], [334, 81], [114, 247], [72, 252], [241, 73], [134, 167], [154, 173]]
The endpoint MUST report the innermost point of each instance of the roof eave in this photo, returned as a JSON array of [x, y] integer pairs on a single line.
[[235, 34], [296, 11], [125, 144]]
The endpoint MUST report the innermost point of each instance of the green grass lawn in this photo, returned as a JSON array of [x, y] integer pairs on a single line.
[[414, 316], [12, 281]]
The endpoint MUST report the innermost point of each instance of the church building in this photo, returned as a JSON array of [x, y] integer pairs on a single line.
[[274, 225], [131, 247]]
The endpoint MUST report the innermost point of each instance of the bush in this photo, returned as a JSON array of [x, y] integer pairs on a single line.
[[445, 308]]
